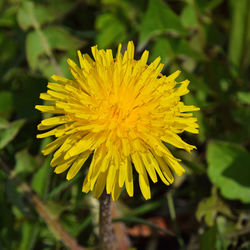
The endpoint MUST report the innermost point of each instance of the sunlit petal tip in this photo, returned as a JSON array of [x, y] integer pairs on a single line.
[[54, 77]]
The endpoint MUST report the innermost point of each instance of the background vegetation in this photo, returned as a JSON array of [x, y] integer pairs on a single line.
[[209, 40]]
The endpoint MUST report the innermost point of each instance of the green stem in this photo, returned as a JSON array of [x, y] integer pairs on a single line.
[[173, 219]]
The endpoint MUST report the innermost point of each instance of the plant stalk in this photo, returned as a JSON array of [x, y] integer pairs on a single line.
[[106, 230]]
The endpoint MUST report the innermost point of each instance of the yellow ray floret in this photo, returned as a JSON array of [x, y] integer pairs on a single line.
[[118, 112]]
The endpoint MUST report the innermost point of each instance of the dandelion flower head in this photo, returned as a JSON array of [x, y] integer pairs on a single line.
[[120, 113]]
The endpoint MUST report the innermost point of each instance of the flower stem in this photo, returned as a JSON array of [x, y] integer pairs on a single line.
[[174, 221], [106, 230]]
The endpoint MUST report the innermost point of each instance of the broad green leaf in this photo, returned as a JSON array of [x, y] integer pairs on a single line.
[[8, 17], [210, 207], [188, 16], [52, 37], [164, 49], [159, 19], [205, 5], [29, 234], [3, 123], [40, 179], [208, 239], [228, 168], [34, 48], [238, 32], [171, 48], [110, 30], [8, 134], [25, 163], [244, 97], [6, 103], [61, 8], [61, 39], [31, 14]]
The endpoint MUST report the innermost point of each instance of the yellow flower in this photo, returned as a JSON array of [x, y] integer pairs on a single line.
[[119, 111]]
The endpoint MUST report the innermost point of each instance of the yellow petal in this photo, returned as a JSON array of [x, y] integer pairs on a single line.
[[144, 186], [149, 167], [57, 120], [116, 190], [129, 180], [49, 109], [110, 178], [64, 166], [52, 146], [100, 185], [77, 165]]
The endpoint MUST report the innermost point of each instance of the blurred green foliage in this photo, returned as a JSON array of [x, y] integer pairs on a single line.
[[209, 40]]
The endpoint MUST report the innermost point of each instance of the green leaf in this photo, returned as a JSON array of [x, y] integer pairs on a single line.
[[40, 179], [53, 37], [30, 15], [8, 134], [61, 39], [238, 32], [228, 168], [164, 49], [6, 103], [205, 5], [210, 207], [170, 48], [24, 162], [188, 16], [208, 239], [244, 97], [110, 29], [159, 18], [34, 48], [29, 234], [48, 70], [8, 17], [3, 123]]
